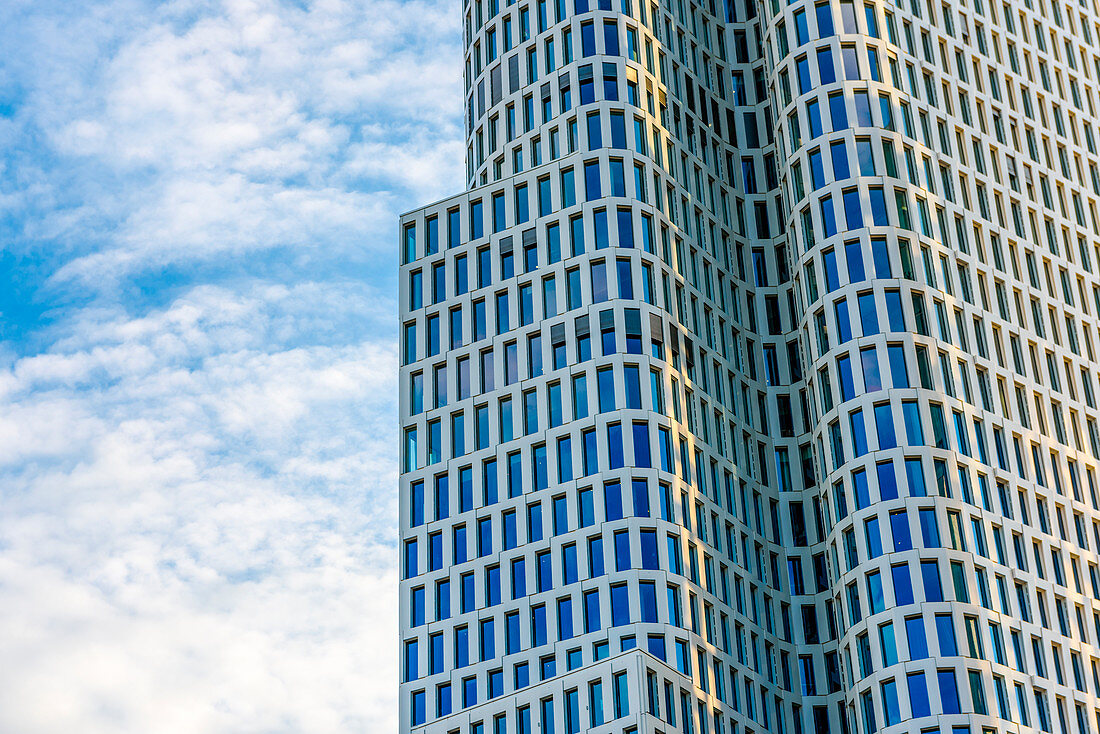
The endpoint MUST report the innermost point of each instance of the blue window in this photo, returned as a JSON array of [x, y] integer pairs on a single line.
[[534, 523], [612, 499], [591, 611], [624, 221], [458, 541], [872, 380], [462, 647], [586, 507], [918, 695], [492, 586], [838, 112], [487, 640], [595, 698], [565, 460], [884, 422], [897, 314], [538, 625], [435, 653], [642, 459], [621, 695], [622, 551], [824, 20], [899, 371], [859, 433], [802, 27], [648, 593], [498, 212], [874, 590], [588, 39], [945, 633], [435, 551], [618, 180], [825, 70], [874, 543], [817, 169], [519, 578], [843, 322], [523, 209], [599, 232], [496, 684], [416, 499], [626, 280], [469, 691], [832, 275], [569, 564], [466, 486], [592, 180], [949, 691], [618, 130], [595, 133], [847, 383], [417, 706], [915, 636], [547, 707], [591, 454], [595, 557], [417, 607], [813, 113], [903, 586], [650, 559], [887, 481], [899, 527], [412, 660], [828, 218], [853, 213], [878, 213], [863, 110], [568, 189], [930, 575], [484, 537], [538, 461], [640, 490], [615, 445], [411, 557], [620, 605], [511, 627], [611, 38], [914, 433], [891, 709], [442, 496], [561, 515], [467, 592], [861, 489], [868, 314], [839, 156], [930, 533], [853, 256], [410, 243], [805, 84]]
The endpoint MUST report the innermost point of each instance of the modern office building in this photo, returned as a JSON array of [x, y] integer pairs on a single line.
[[751, 385]]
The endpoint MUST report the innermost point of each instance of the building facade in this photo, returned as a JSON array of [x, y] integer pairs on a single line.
[[751, 385]]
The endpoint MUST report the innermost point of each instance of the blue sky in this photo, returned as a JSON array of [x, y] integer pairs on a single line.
[[198, 205]]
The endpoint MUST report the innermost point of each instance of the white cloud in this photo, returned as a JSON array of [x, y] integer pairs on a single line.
[[197, 451], [199, 537], [236, 127]]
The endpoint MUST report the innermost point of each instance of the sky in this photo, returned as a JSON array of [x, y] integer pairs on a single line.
[[198, 238]]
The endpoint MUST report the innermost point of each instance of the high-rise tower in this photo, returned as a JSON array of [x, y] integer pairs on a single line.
[[751, 387]]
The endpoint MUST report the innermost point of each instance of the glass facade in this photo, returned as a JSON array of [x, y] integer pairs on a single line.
[[750, 386]]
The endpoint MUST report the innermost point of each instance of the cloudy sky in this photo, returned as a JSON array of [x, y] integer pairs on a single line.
[[198, 204]]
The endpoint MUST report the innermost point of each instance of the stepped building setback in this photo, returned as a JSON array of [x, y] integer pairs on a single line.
[[751, 385]]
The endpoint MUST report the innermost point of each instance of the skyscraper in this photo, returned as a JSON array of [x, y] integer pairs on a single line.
[[751, 385]]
